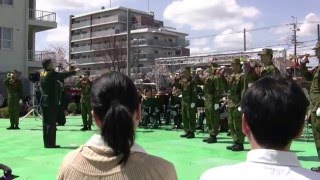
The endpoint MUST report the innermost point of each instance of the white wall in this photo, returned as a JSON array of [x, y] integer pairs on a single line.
[[14, 17]]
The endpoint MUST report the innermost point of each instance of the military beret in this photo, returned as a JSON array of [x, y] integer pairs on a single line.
[[317, 46], [235, 61], [45, 63], [266, 51]]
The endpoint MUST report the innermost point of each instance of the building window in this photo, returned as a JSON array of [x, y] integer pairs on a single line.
[[155, 37], [5, 38], [169, 53], [6, 2], [156, 52]]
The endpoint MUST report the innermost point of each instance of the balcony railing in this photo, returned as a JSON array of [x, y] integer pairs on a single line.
[[40, 55], [80, 49], [105, 33], [80, 24], [88, 60], [80, 36], [109, 19], [152, 42], [42, 15]]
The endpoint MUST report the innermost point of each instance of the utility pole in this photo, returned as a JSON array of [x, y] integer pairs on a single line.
[[128, 43], [295, 29], [110, 3], [318, 32], [148, 5], [244, 40]]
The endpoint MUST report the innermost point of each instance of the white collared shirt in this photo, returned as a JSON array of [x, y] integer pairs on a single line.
[[263, 164]]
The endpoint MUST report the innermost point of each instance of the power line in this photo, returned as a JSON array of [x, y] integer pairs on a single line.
[[250, 30], [253, 48]]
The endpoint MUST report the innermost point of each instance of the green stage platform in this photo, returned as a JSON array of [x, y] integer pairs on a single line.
[[23, 150]]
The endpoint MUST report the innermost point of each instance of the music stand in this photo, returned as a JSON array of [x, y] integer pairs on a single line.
[[34, 77]]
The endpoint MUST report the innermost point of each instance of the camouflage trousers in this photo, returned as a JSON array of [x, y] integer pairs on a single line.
[[235, 125], [188, 117], [86, 113], [212, 118], [315, 123]]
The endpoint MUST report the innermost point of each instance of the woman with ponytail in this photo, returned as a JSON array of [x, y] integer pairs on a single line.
[[116, 109]]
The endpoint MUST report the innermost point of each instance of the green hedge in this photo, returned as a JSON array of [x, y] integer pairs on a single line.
[[4, 112]]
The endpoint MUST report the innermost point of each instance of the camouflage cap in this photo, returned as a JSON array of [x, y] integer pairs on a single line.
[[266, 51], [45, 63], [317, 46], [214, 65], [86, 73], [235, 61], [187, 68]]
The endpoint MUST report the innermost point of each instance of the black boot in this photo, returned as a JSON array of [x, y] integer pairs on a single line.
[[206, 139], [230, 147], [237, 147], [190, 135], [212, 139], [316, 169], [85, 128], [11, 127], [184, 135], [89, 128]]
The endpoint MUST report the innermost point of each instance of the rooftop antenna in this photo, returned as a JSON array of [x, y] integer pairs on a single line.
[[110, 3], [148, 5]]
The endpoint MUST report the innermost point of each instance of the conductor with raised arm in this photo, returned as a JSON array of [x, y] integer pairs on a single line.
[[50, 100]]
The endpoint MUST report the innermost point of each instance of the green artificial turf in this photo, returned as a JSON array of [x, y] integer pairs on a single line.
[[23, 150]]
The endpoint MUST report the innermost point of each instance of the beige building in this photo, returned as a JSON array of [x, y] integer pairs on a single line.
[[97, 39], [19, 22]]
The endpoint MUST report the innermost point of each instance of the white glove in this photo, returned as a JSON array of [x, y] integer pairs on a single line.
[[77, 70], [304, 60], [20, 102], [318, 112], [239, 109], [193, 105], [216, 106]]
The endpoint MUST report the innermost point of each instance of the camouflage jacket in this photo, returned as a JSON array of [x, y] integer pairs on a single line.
[[85, 87], [269, 70], [314, 77], [14, 88], [188, 88], [237, 86]]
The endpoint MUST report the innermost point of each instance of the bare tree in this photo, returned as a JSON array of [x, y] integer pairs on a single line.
[[113, 53], [60, 57]]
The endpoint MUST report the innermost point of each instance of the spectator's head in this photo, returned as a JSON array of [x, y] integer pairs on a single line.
[[274, 111], [116, 110]]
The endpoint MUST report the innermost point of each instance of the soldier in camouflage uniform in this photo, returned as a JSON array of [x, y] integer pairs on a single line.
[[189, 97], [251, 74], [314, 76], [50, 101], [268, 68], [237, 86], [85, 84], [15, 91], [213, 88]]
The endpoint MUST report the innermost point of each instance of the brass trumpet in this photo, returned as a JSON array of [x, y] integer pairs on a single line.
[[9, 75]]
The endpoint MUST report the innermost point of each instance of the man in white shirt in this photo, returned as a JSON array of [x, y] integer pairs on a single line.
[[273, 112]]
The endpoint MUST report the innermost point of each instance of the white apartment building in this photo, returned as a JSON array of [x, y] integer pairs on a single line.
[[99, 37], [19, 22]]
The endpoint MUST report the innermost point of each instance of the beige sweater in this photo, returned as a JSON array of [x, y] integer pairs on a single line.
[[94, 160]]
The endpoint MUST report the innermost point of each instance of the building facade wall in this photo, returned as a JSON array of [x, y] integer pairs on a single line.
[[14, 17]]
